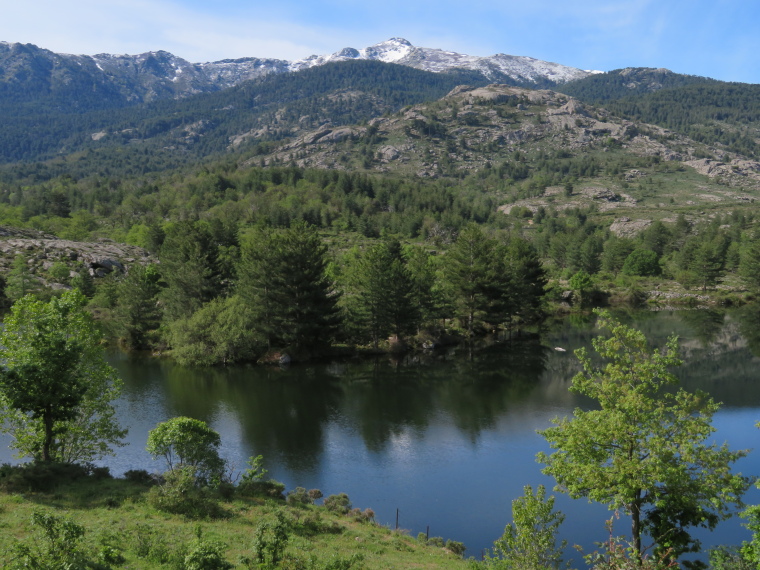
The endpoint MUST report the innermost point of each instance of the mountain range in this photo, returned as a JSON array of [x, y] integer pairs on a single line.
[[155, 111], [122, 79]]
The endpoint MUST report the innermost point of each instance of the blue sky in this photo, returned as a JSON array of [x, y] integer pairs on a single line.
[[714, 38]]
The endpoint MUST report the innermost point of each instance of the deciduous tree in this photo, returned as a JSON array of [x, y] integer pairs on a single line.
[[530, 541], [55, 386], [187, 442], [644, 449]]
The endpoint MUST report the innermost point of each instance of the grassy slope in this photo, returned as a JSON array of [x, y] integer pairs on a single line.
[[115, 511]]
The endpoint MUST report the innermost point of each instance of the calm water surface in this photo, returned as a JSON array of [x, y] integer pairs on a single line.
[[447, 439]]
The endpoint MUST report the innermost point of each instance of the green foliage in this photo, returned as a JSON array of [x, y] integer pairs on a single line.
[[55, 386], [339, 503], [472, 274], [83, 282], [206, 555], [530, 541], [20, 282], [269, 541], [380, 298], [729, 558], [749, 265], [298, 496], [616, 554], [136, 312], [220, 332], [60, 545], [252, 481], [190, 268], [643, 450], [582, 283], [187, 443], [282, 277], [180, 494], [642, 262], [255, 470]]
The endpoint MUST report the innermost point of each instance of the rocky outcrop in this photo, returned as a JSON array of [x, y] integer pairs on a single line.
[[626, 227], [43, 250]]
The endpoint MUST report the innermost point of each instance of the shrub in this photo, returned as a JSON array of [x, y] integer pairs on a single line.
[[186, 442], [206, 555], [180, 495], [270, 488], [269, 541], [59, 547], [139, 476], [643, 262], [313, 524], [367, 515], [455, 547], [338, 503], [150, 544], [298, 496], [39, 477]]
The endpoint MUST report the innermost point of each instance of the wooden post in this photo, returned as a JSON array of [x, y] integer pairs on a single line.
[[396, 519]]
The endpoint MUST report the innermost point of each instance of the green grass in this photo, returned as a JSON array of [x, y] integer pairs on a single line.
[[116, 513]]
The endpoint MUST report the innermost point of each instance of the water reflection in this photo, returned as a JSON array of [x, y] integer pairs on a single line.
[[447, 438]]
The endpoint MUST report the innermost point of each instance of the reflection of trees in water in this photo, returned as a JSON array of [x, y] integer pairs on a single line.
[[748, 318], [282, 413], [705, 324], [492, 385], [384, 401]]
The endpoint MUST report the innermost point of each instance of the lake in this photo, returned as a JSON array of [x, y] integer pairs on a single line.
[[449, 439]]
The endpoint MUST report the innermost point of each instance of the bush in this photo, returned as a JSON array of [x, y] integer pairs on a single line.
[[180, 495], [455, 547], [206, 555], [298, 496], [187, 442], [139, 476], [313, 524], [643, 262], [367, 515], [338, 503], [729, 558], [269, 541], [149, 544], [39, 477], [59, 546], [270, 488]]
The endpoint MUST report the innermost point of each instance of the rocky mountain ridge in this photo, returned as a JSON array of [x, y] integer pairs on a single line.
[[497, 68], [115, 80], [474, 127]]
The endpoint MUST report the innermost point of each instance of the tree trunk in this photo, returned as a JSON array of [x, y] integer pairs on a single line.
[[47, 420], [636, 527]]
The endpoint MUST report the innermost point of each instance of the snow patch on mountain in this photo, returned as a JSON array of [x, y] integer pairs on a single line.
[[495, 67]]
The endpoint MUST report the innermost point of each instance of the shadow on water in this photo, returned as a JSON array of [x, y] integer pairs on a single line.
[[446, 436]]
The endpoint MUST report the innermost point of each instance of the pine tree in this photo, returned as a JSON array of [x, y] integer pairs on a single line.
[[282, 276], [20, 281], [189, 268], [382, 301], [137, 310], [477, 278]]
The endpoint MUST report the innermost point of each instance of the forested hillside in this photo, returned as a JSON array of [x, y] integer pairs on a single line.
[[706, 110], [269, 109], [420, 210]]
